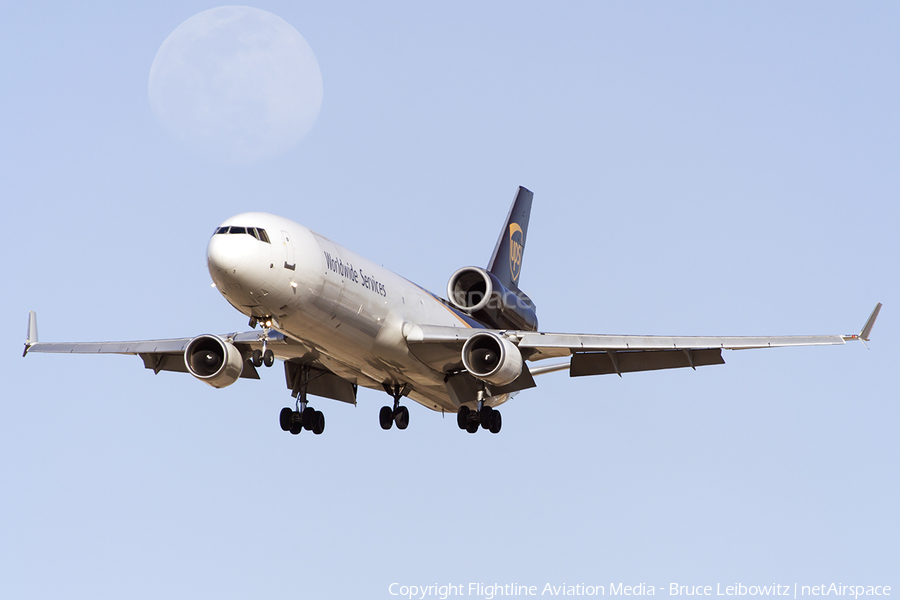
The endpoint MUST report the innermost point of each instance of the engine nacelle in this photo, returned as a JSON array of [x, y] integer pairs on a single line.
[[480, 293], [492, 358], [212, 360]]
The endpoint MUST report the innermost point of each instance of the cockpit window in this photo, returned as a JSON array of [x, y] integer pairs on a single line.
[[256, 232]]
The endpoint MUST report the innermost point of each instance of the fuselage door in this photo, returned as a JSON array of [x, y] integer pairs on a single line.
[[289, 262]]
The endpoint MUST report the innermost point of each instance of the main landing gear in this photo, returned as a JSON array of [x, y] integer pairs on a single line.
[[306, 418], [302, 416], [484, 416], [398, 414]]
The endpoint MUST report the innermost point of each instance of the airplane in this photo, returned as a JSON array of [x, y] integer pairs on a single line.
[[339, 321]]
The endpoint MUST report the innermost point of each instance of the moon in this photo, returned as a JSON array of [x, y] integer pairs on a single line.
[[235, 84]]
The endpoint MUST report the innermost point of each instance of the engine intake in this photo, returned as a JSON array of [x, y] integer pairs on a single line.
[[492, 358], [479, 293], [212, 360]]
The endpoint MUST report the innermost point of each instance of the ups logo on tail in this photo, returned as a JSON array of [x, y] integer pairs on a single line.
[[516, 245]]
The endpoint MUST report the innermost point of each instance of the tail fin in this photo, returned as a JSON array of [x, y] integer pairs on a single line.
[[506, 262]]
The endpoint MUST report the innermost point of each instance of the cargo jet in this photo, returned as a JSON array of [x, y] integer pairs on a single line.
[[340, 321]]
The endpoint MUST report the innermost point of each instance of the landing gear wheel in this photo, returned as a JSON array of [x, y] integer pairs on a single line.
[[268, 358], [462, 417], [496, 422], [472, 427], [396, 414], [401, 416], [386, 417], [256, 359], [308, 418], [485, 416], [319, 424], [286, 419], [305, 416]]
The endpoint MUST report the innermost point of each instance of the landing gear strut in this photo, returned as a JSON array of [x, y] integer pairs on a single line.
[[398, 414], [302, 416], [484, 416], [264, 356]]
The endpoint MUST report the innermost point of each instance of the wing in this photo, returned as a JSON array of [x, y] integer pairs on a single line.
[[158, 355], [605, 354], [168, 355]]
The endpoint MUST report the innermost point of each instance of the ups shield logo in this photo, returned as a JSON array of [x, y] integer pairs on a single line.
[[516, 245]]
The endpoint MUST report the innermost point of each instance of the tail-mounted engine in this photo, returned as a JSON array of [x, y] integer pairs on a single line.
[[480, 293], [492, 358], [213, 360]]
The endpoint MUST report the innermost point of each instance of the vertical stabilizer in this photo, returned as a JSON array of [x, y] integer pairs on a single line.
[[506, 262]]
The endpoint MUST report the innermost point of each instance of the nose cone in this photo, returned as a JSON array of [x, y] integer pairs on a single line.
[[223, 254]]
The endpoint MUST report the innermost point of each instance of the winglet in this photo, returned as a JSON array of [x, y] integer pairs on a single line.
[[32, 338], [867, 328], [866, 331]]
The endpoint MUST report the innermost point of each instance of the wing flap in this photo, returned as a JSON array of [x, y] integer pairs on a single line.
[[157, 362], [163, 362], [607, 363]]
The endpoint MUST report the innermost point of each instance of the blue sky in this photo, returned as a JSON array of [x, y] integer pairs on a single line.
[[698, 168]]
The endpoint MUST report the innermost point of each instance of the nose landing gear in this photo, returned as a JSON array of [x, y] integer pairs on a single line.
[[264, 356], [260, 358]]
